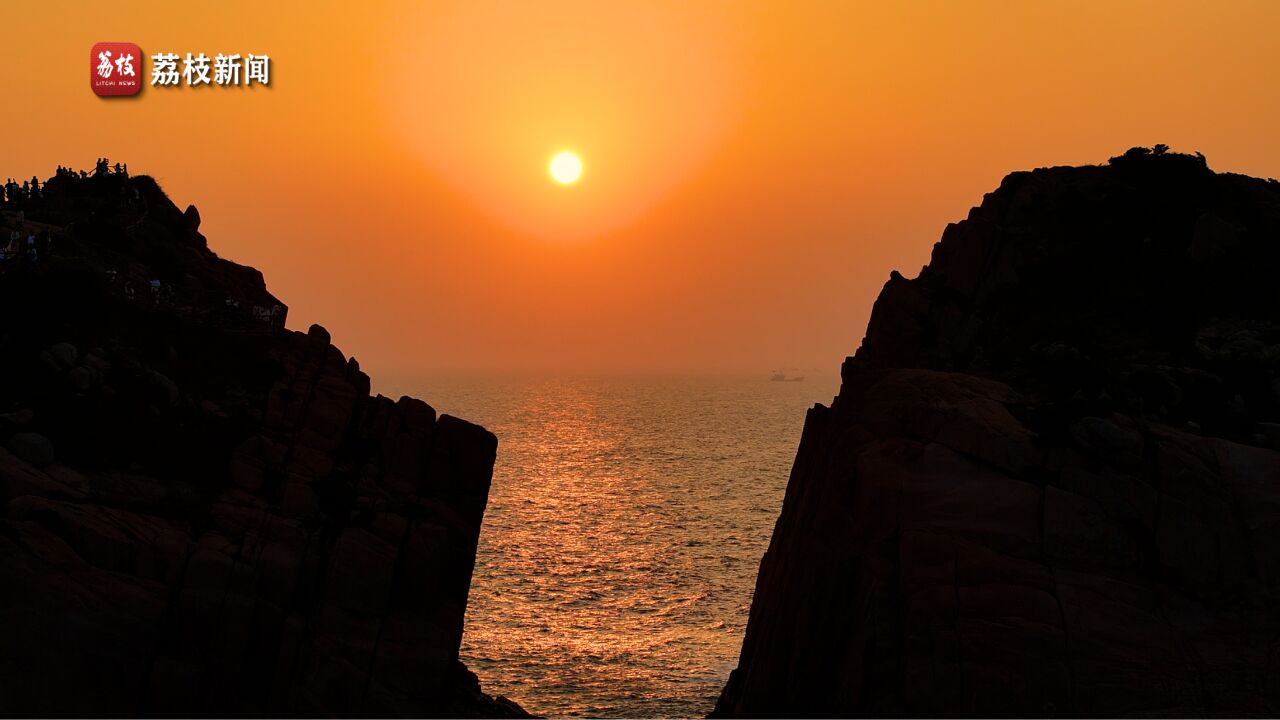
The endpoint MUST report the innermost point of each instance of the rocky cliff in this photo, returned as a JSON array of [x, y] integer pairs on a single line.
[[1050, 483], [202, 513]]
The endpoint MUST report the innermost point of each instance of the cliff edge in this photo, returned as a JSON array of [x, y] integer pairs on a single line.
[[1050, 483], [201, 512]]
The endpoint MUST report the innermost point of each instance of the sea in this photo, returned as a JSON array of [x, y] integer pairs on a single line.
[[625, 525]]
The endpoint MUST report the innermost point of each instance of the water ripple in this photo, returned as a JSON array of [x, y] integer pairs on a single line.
[[625, 525]]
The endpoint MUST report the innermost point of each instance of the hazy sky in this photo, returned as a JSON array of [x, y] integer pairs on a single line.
[[753, 170]]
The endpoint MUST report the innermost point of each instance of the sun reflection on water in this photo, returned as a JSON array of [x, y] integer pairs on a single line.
[[625, 526]]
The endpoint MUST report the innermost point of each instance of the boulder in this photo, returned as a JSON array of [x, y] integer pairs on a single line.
[[65, 354], [32, 448]]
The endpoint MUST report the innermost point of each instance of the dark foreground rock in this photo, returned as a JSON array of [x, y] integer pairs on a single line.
[[204, 514], [1050, 484]]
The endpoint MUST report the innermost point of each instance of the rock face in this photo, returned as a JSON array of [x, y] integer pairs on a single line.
[[1050, 484], [204, 514]]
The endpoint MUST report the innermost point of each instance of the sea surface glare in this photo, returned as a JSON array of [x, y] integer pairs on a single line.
[[624, 529]]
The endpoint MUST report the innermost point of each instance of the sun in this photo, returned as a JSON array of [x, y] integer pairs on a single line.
[[565, 168]]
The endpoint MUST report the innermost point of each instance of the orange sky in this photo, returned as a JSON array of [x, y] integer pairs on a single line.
[[754, 170]]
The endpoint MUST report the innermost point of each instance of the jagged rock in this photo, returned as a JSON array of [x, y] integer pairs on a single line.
[[318, 335], [1049, 484], [231, 525]]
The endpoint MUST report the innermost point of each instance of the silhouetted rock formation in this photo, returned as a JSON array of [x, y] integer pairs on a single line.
[[205, 514], [1050, 484]]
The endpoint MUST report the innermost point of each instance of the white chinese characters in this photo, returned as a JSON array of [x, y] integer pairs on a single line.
[[226, 69], [123, 65], [164, 69], [195, 70], [257, 67], [198, 69]]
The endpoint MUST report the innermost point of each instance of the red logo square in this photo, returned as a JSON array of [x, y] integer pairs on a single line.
[[115, 68]]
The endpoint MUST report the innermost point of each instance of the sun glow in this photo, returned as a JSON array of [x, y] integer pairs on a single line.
[[594, 86], [565, 168]]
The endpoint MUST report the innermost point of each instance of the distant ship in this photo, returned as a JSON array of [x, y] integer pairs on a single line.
[[781, 377]]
